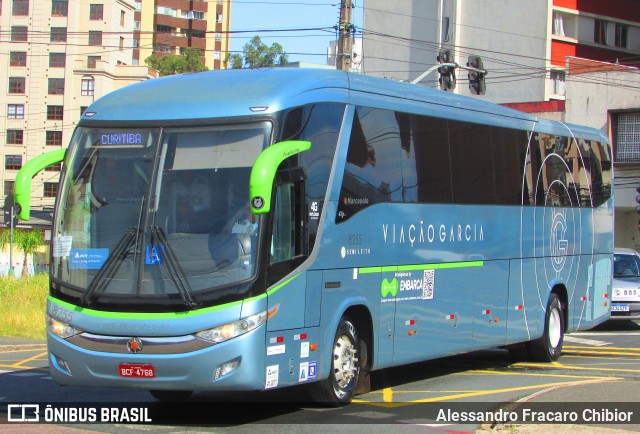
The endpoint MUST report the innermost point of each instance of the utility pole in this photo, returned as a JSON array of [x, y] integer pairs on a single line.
[[343, 55]]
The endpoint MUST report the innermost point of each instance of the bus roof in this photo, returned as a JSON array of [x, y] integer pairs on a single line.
[[242, 92]]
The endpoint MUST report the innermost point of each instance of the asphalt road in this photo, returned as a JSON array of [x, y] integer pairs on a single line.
[[599, 372]]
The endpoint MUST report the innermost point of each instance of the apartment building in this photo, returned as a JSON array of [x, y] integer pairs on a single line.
[[169, 26], [57, 56]]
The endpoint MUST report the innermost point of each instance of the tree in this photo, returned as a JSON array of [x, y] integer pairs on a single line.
[[189, 61], [27, 240], [256, 54]]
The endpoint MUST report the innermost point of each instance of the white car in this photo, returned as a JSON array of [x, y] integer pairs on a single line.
[[625, 302]]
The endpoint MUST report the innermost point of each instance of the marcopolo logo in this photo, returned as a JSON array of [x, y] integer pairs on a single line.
[[387, 287]]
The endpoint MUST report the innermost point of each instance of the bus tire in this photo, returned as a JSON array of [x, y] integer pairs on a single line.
[[549, 346], [339, 388], [171, 395]]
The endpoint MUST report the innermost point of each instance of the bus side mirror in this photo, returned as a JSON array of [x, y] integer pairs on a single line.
[[22, 187], [264, 171]]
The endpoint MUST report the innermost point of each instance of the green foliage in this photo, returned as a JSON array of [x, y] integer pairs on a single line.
[[27, 240], [256, 54], [22, 306], [189, 61]]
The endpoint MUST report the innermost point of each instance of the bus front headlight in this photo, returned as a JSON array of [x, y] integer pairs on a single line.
[[61, 329], [233, 329]]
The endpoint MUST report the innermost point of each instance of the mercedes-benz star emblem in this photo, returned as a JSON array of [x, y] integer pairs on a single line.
[[134, 345]]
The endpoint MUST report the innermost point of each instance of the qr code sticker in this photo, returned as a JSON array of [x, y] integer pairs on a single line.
[[428, 283]]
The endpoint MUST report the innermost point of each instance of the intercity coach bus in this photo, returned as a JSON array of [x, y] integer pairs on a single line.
[[247, 230]]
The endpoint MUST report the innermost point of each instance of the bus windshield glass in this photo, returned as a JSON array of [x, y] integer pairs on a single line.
[[157, 216]]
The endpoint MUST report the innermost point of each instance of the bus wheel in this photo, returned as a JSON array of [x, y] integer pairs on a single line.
[[171, 395], [548, 347], [339, 388]]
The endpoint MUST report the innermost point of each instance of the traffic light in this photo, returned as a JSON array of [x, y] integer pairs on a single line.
[[477, 85], [447, 73], [8, 205]]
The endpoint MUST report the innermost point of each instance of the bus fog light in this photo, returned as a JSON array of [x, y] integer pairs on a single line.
[[226, 368], [62, 363]]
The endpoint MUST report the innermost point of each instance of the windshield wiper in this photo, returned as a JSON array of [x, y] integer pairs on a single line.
[[111, 265], [176, 272]]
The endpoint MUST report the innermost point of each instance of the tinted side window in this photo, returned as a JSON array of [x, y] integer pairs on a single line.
[[320, 124], [372, 173], [601, 178], [432, 159], [509, 152], [471, 163]]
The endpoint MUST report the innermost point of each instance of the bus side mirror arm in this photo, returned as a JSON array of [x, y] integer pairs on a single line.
[[264, 171], [22, 187]]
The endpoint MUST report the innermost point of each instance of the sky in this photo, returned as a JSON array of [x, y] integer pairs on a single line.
[[277, 20]]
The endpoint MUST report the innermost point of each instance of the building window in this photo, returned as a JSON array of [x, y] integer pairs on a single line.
[[121, 45], [19, 33], [162, 10], [15, 111], [600, 32], [621, 36], [54, 113], [16, 84], [627, 143], [96, 12], [92, 61], [95, 38], [57, 60], [20, 7], [56, 167], [56, 86], [122, 17], [87, 86], [8, 187], [15, 137], [136, 24], [50, 189], [53, 138], [13, 162], [59, 8], [557, 82], [18, 58], [58, 34]]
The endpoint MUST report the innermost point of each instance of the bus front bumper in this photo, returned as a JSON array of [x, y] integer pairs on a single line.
[[234, 365]]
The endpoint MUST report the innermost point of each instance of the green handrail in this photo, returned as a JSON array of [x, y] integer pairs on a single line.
[[264, 172], [22, 187]]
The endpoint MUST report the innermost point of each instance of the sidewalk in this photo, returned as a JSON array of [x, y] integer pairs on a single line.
[[9, 344]]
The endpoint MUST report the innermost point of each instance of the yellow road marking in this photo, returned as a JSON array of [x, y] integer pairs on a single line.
[[486, 392], [571, 367], [603, 353], [22, 362], [530, 374], [603, 347]]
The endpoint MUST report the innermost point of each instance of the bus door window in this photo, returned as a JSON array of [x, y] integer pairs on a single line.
[[288, 246]]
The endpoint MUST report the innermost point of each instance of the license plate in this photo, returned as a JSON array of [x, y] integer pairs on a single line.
[[133, 370], [619, 308]]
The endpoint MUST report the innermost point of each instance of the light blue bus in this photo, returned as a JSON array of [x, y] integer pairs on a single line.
[[247, 230]]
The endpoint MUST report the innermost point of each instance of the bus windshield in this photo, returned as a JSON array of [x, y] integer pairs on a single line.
[[157, 216]]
